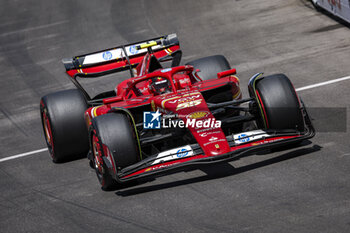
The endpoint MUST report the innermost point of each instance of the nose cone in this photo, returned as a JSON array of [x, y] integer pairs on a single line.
[[212, 141], [193, 110]]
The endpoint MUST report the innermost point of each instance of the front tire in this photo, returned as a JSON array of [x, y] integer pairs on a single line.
[[279, 104], [114, 147]]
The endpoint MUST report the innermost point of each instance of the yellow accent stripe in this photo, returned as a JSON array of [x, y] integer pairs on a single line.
[[152, 43], [133, 122], [237, 94], [237, 78], [94, 111]]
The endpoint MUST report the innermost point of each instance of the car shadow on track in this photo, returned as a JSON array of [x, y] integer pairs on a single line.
[[218, 171]]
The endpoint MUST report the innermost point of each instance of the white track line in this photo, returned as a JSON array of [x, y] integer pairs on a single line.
[[298, 89], [22, 155], [323, 83]]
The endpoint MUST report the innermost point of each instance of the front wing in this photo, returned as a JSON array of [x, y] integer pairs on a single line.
[[179, 158]]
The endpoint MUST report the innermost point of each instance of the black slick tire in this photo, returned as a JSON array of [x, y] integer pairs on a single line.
[[279, 104], [210, 66], [62, 116], [115, 135]]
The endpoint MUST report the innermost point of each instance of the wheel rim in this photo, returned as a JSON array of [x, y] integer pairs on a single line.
[[48, 133], [96, 150]]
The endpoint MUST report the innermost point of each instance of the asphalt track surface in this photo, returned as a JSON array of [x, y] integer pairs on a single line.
[[304, 189]]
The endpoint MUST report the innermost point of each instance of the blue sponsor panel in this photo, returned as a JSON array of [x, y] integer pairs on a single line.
[[243, 138], [182, 153], [151, 120]]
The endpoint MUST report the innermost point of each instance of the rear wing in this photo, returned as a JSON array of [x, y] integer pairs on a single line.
[[122, 57]]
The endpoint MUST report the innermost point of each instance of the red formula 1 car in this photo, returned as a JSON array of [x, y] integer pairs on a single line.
[[165, 119]]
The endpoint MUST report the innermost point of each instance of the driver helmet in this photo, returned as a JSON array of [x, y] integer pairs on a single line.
[[159, 85]]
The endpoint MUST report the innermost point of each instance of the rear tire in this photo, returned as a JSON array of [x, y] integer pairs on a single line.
[[279, 104], [210, 66], [113, 137], [62, 116]]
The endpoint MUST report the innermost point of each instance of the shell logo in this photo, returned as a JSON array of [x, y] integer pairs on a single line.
[[197, 115]]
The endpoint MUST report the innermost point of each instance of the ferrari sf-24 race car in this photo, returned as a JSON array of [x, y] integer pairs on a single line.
[[163, 119]]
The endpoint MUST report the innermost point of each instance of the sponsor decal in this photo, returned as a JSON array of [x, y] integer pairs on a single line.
[[144, 90], [178, 99], [250, 136], [172, 154], [133, 50], [159, 167], [185, 81], [151, 120], [213, 139], [204, 130], [266, 141], [103, 56], [243, 138], [274, 140], [198, 115], [209, 133], [182, 153], [188, 104], [107, 55], [166, 70]]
